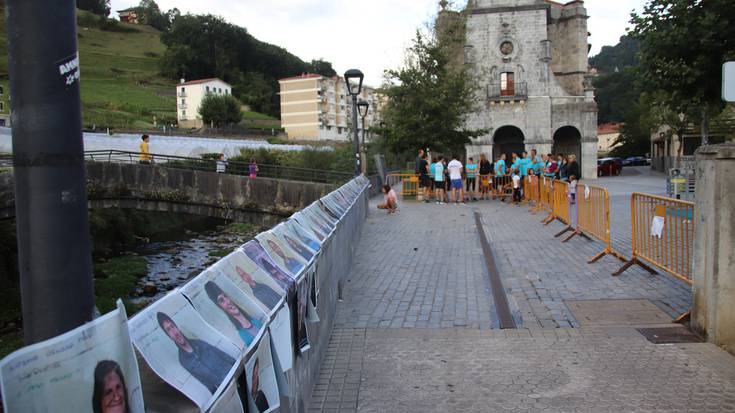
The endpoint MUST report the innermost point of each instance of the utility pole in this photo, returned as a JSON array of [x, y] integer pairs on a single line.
[[54, 256]]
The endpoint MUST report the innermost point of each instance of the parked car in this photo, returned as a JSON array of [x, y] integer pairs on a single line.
[[609, 166], [635, 161]]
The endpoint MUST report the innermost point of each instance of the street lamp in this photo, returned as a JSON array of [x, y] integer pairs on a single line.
[[353, 79], [362, 107]]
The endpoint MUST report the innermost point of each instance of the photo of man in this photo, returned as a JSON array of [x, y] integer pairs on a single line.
[[281, 253], [183, 349], [306, 237], [261, 383], [302, 335], [204, 361]]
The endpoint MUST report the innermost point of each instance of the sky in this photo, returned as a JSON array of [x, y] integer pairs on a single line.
[[367, 35]]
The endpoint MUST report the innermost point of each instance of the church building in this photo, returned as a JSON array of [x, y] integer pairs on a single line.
[[529, 60]]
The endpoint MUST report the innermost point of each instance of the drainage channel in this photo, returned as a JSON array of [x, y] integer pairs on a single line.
[[496, 284]]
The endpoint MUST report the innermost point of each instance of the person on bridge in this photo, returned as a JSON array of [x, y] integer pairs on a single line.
[[253, 169], [262, 292], [221, 163], [145, 153], [208, 364]]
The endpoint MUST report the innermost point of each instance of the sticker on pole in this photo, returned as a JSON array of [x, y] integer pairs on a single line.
[[69, 69], [728, 82]]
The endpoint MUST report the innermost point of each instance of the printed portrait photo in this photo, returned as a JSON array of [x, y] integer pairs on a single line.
[[288, 237], [89, 369], [184, 350], [281, 253], [226, 308], [257, 254], [263, 394], [252, 280], [305, 236]]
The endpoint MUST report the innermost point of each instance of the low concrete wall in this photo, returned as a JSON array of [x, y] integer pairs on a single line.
[[713, 310]]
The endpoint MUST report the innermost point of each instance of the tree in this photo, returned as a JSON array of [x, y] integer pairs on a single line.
[[428, 101], [220, 110], [683, 46], [257, 91], [101, 7], [322, 67]]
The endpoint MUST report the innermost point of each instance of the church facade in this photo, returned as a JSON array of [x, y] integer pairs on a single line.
[[529, 60]]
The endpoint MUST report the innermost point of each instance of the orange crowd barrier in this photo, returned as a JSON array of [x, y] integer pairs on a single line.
[[593, 218], [560, 206], [531, 190], [502, 187], [409, 183], [546, 198], [663, 236]]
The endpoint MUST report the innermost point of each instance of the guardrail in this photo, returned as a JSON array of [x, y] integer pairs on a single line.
[[409, 183], [232, 167]]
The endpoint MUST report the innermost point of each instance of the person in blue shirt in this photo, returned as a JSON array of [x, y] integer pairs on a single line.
[[538, 162], [432, 173], [247, 326], [500, 171], [439, 180]]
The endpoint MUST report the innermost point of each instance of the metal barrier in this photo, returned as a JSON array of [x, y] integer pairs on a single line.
[[561, 206], [531, 190], [663, 235], [233, 167], [502, 187], [593, 218], [409, 183], [546, 198]]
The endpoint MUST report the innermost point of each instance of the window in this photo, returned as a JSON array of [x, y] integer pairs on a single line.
[[507, 87], [183, 114], [2, 106], [207, 89], [1, 90], [183, 101], [183, 90]]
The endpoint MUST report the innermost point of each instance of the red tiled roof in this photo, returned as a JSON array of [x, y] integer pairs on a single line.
[[607, 128], [198, 81], [301, 76]]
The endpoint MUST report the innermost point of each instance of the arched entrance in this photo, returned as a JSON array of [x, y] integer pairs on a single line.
[[507, 139], [568, 140]]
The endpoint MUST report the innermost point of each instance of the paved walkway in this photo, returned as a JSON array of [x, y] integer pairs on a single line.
[[417, 329]]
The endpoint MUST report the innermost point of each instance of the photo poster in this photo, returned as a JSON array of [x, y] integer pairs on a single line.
[[289, 237], [302, 221], [90, 368], [311, 313], [262, 387], [184, 350], [308, 219], [253, 250], [285, 257], [229, 401], [344, 198], [302, 298], [280, 331], [252, 280], [331, 207], [304, 235], [226, 308], [320, 211]]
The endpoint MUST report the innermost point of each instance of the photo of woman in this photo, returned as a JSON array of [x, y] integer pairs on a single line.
[[303, 235], [247, 327], [257, 254], [298, 247], [110, 394]]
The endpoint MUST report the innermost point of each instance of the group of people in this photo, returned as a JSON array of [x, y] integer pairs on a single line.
[[448, 180]]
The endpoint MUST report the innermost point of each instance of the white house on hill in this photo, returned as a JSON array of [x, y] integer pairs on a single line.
[[189, 96]]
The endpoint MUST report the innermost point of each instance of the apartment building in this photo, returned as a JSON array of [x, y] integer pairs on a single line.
[[189, 96], [315, 107]]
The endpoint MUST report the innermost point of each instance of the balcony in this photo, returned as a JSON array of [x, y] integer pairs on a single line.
[[182, 105], [517, 91]]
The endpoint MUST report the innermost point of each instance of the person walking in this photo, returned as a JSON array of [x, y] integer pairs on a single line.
[[145, 153], [253, 169], [439, 180], [221, 163], [455, 169], [471, 180]]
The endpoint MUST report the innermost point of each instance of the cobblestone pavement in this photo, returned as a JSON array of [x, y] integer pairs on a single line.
[[417, 329]]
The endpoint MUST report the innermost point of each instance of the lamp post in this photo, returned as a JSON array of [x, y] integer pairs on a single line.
[[353, 80], [362, 107]]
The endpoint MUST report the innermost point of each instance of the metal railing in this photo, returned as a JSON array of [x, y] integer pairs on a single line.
[[519, 91], [232, 167]]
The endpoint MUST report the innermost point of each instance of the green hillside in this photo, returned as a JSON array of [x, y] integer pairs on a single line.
[[120, 84]]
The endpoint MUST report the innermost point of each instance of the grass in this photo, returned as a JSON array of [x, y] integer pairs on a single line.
[[121, 275], [258, 116], [240, 228]]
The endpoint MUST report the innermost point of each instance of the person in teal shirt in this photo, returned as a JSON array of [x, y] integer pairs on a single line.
[[246, 325], [538, 163], [500, 166], [524, 164], [515, 166], [471, 179]]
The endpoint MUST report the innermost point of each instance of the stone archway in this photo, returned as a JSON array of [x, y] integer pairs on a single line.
[[507, 139], [568, 140]]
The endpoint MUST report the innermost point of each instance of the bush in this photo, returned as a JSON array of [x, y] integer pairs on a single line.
[[220, 110]]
